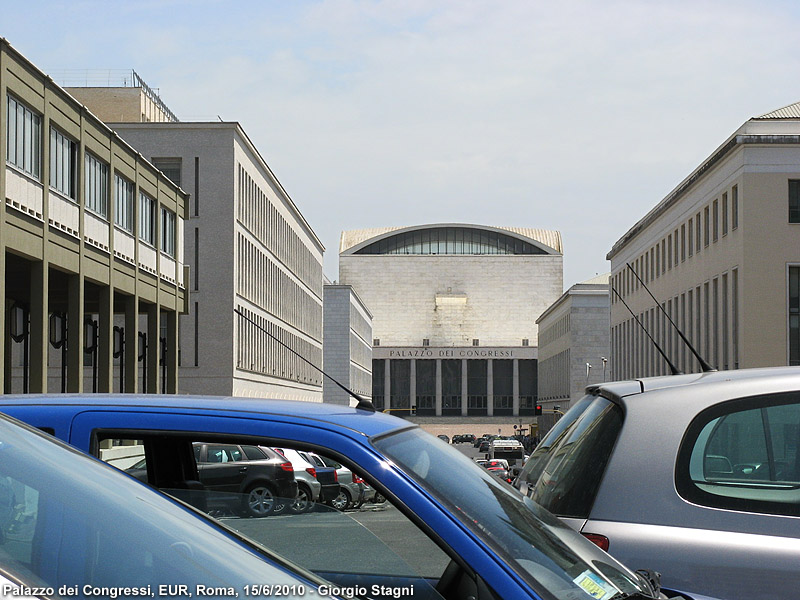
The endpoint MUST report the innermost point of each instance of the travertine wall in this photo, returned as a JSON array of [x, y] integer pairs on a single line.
[[452, 300]]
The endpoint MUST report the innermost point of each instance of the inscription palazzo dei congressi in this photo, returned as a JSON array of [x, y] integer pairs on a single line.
[[449, 353]]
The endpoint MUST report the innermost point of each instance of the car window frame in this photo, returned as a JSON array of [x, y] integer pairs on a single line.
[[285, 442], [691, 492]]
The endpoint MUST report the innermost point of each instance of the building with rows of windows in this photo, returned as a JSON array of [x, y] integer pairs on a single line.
[[91, 247], [573, 347], [347, 357], [454, 311], [255, 291], [721, 255]]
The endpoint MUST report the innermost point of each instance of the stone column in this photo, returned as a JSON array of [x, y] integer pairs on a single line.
[[153, 350], [39, 334], [438, 387], [5, 338], [131, 344], [490, 387], [75, 327], [387, 385], [105, 341], [464, 387], [8, 343], [412, 384], [515, 386], [172, 352]]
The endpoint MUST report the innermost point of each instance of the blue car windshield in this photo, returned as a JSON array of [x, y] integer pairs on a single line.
[[70, 520], [544, 552]]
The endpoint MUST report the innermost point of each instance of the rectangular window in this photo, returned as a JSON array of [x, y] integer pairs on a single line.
[[724, 214], [715, 216], [63, 164], [698, 237], [171, 167], [683, 242], [690, 325], [147, 218], [196, 258], [658, 262], [691, 238], [725, 321], [715, 321], [707, 228], [669, 251], [735, 207], [23, 138], [677, 253], [706, 322], [794, 201], [96, 186], [794, 316], [168, 232], [735, 316], [123, 203], [663, 256]]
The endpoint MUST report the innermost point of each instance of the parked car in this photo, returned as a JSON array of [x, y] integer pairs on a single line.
[[696, 476], [449, 529], [248, 478], [259, 475], [309, 489], [351, 490], [444, 438], [498, 467], [72, 523]]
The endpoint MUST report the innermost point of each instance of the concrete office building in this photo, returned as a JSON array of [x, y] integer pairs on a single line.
[[721, 254], [250, 250], [574, 346], [89, 230], [454, 314], [347, 351]]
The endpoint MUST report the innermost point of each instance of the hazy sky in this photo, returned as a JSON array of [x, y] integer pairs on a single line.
[[570, 115]]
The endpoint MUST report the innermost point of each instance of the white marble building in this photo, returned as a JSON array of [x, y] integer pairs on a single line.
[[454, 313]]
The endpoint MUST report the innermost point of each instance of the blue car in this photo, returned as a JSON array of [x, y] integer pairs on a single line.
[[449, 529], [71, 526]]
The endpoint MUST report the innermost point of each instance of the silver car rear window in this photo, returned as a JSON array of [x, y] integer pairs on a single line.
[[568, 471]]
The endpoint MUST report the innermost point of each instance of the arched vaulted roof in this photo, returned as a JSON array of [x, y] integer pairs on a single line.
[[517, 240]]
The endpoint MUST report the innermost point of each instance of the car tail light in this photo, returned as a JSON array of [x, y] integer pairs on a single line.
[[287, 466], [599, 540], [312, 471], [335, 476], [357, 479]]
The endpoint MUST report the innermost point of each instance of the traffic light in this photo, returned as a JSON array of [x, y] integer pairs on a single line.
[[538, 410]]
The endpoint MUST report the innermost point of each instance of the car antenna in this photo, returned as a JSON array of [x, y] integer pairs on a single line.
[[363, 403], [707, 368], [672, 367]]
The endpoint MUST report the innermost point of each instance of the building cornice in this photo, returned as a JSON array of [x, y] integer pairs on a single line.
[[353, 240], [679, 192]]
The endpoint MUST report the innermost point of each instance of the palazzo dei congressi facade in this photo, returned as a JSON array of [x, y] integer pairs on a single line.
[[454, 313]]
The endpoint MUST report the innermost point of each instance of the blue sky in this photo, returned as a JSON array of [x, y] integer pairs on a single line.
[[576, 115]]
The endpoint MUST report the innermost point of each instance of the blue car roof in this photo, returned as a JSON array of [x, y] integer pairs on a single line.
[[365, 422]]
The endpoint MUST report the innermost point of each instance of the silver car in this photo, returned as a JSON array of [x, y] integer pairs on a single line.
[[696, 476], [351, 493], [308, 488]]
